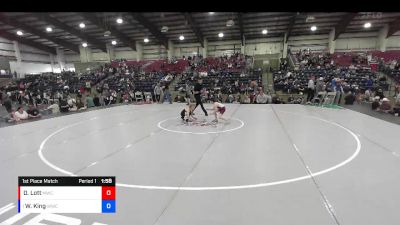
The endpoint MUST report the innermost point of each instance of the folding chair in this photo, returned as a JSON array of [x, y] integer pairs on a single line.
[[147, 95], [329, 98], [320, 97], [138, 96]]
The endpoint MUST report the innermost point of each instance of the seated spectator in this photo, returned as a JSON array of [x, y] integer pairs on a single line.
[[246, 99], [71, 101], [72, 107], [276, 100], [262, 98], [379, 93], [349, 98], [7, 104], [252, 97], [367, 95], [96, 101], [375, 104], [54, 107], [319, 87], [89, 101], [64, 107], [230, 99], [20, 114], [386, 106], [79, 104], [33, 112]]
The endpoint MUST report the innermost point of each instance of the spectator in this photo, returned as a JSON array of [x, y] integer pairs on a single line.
[[262, 98], [89, 101], [349, 98], [385, 106], [79, 104], [64, 107], [397, 90], [367, 95], [369, 83], [379, 93], [96, 101], [319, 87], [33, 112], [230, 98], [157, 92], [310, 89], [20, 114], [339, 92], [7, 104], [167, 93], [54, 107], [375, 104]]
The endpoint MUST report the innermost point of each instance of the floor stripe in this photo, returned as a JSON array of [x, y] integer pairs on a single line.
[[325, 201], [7, 208], [14, 219]]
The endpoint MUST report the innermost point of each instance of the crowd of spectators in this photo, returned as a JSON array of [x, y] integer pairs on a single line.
[[319, 72], [228, 76]]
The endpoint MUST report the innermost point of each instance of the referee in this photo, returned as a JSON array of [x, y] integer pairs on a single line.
[[197, 91]]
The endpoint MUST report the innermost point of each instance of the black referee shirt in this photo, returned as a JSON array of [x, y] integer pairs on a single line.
[[198, 87]]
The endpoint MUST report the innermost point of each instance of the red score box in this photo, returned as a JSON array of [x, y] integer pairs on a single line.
[[108, 193]]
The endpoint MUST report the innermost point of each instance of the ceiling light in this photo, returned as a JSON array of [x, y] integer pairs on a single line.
[[164, 29], [114, 42], [220, 35], [119, 20], [181, 37], [211, 13], [20, 33], [84, 44], [313, 28], [310, 18], [146, 40], [82, 25], [264, 31], [367, 25], [230, 23], [49, 29], [107, 33]]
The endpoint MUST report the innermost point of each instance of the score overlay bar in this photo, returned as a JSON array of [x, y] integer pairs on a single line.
[[66, 195]]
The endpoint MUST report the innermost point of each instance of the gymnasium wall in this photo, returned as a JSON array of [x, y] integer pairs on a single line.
[[7, 49], [30, 68], [219, 48], [365, 41], [125, 53], [151, 52], [265, 46], [313, 42], [99, 56], [393, 42], [72, 58], [32, 60], [187, 49], [4, 63]]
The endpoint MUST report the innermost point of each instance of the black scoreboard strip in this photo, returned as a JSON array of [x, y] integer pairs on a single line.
[[66, 181]]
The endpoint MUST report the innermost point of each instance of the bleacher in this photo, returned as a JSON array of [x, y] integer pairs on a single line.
[[148, 66], [353, 79], [387, 55], [54, 82], [225, 82], [137, 82]]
